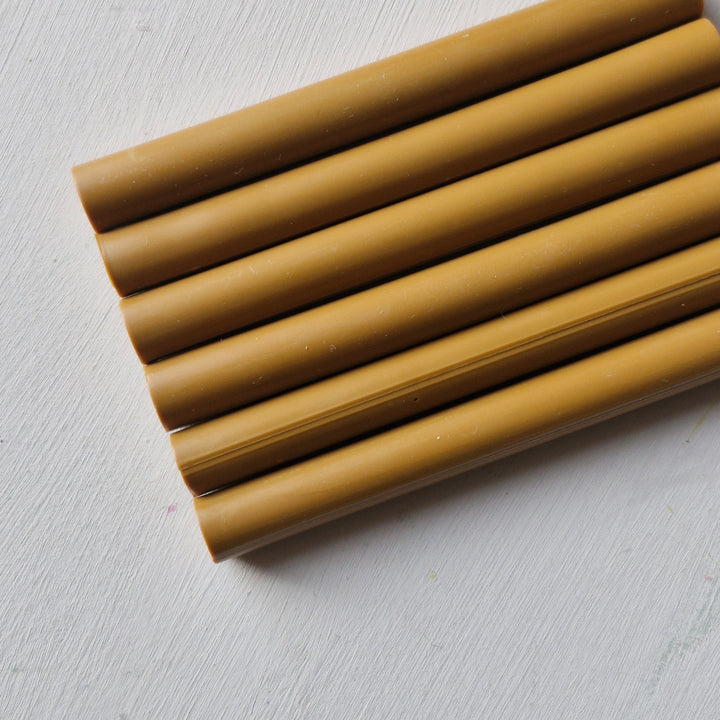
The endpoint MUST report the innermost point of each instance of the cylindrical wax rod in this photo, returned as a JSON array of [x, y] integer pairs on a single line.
[[397, 238], [528, 413], [259, 438], [652, 73], [226, 375], [225, 152]]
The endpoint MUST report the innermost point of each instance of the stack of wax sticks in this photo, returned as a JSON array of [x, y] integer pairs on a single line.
[[511, 233]]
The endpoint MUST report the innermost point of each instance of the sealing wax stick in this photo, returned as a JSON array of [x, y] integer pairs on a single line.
[[632, 80], [397, 238], [215, 155], [257, 364], [528, 413], [285, 428]]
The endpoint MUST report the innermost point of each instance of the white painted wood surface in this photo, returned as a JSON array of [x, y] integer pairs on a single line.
[[579, 580]]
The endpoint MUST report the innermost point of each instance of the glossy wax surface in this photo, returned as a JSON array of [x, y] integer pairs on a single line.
[[175, 169], [277, 357], [259, 511], [289, 204], [234, 447]]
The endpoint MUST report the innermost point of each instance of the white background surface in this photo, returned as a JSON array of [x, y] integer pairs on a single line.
[[578, 580]]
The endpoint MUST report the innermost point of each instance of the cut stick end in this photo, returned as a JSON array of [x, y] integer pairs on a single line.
[[139, 341], [82, 183], [149, 371], [179, 451], [103, 243], [198, 506], [706, 24]]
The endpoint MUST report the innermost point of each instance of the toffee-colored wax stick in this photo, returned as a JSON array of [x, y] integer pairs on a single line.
[[424, 228], [652, 73], [246, 368], [297, 424], [528, 413], [225, 152]]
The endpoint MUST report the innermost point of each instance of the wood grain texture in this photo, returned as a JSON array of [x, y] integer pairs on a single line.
[[578, 580]]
